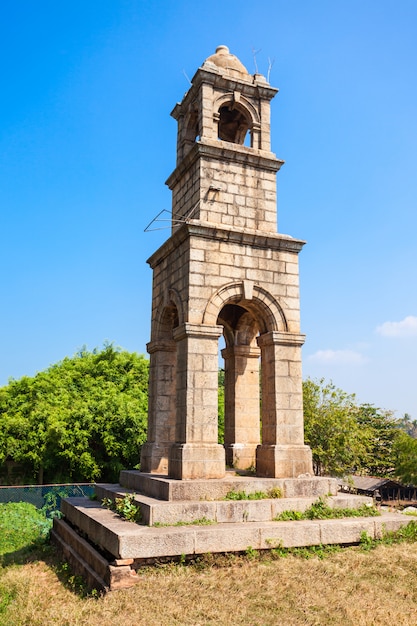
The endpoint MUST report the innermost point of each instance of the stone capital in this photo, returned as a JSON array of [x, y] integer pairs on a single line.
[[276, 338], [245, 351], [162, 345], [199, 331]]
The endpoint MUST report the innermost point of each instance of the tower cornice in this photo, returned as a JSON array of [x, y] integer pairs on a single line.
[[223, 150], [242, 237]]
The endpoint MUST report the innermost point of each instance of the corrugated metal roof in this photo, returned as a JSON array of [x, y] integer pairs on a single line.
[[370, 483]]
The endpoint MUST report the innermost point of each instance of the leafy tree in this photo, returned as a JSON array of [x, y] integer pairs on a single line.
[[408, 425], [405, 452], [331, 429], [380, 429], [81, 419], [348, 438]]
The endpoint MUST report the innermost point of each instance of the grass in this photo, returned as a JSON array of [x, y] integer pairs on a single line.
[[370, 585], [321, 510], [274, 492], [22, 527]]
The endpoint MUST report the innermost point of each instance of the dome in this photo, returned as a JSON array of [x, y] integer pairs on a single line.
[[227, 61]]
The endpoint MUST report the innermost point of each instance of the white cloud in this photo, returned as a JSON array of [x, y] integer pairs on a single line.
[[336, 357], [406, 328]]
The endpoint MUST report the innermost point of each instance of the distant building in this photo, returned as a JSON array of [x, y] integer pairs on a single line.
[[389, 489]]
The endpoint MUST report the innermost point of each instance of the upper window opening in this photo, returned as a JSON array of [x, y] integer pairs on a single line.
[[233, 125]]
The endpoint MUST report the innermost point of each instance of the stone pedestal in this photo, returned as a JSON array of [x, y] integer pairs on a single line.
[[196, 460], [281, 461]]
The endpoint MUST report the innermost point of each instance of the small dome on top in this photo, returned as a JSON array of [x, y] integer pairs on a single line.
[[227, 61]]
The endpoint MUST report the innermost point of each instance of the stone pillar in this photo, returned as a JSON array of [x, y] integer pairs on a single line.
[[282, 453], [161, 410], [196, 453], [242, 419]]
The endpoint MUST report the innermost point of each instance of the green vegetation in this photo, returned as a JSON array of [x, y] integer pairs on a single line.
[[405, 458], [85, 418], [274, 492], [125, 507], [22, 528], [405, 534], [347, 438], [82, 419], [321, 510]]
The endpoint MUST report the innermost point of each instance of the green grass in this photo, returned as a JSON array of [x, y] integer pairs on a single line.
[[274, 492], [321, 510], [22, 528]]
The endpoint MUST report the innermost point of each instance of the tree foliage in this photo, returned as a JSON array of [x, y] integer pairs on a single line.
[[82, 419], [408, 425], [405, 451], [331, 428], [346, 437]]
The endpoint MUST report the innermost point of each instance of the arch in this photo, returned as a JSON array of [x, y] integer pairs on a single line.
[[239, 102], [235, 117], [170, 315], [191, 125], [240, 328], [264, 308]]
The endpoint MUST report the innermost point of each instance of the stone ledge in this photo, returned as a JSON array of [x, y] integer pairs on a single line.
[[125, 540], [164, 488], [155, 511]]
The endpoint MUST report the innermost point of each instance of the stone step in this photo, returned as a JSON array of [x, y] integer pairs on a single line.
[[155, 511], [98, 572], [126, 540], [169, 489]]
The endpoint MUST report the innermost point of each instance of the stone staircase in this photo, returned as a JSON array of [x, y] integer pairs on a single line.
[[190, 518]]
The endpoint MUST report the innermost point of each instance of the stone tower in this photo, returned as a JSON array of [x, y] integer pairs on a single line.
[[225, 271]]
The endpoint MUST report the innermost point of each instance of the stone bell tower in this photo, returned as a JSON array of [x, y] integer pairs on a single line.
[[225, 271]]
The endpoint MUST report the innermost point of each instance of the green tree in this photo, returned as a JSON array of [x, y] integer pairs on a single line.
[[336, 439], [408, 425], [405, 453], [381, 430], [81, 419]]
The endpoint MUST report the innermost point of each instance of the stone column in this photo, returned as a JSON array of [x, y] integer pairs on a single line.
[[282, 453], [196, 453], [242, 419], [161, 410]]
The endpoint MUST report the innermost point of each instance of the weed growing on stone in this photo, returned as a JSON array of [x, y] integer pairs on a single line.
[[405, 534], [125, 507], [251, 553], [274, 492], [321, 510]]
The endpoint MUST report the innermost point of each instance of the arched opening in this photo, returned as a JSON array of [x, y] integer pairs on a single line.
[[242, 391], [233, 124]]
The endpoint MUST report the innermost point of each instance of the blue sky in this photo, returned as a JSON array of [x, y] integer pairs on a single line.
[[86, 143]]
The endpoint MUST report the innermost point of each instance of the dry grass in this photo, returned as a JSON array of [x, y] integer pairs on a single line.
[[350, 587]]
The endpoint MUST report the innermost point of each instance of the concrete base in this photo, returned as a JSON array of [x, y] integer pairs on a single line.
[[192, 517], [283, 461], [193, 461], [164, 488]]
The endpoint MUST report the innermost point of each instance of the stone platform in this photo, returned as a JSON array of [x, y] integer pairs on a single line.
[[195, 519]]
